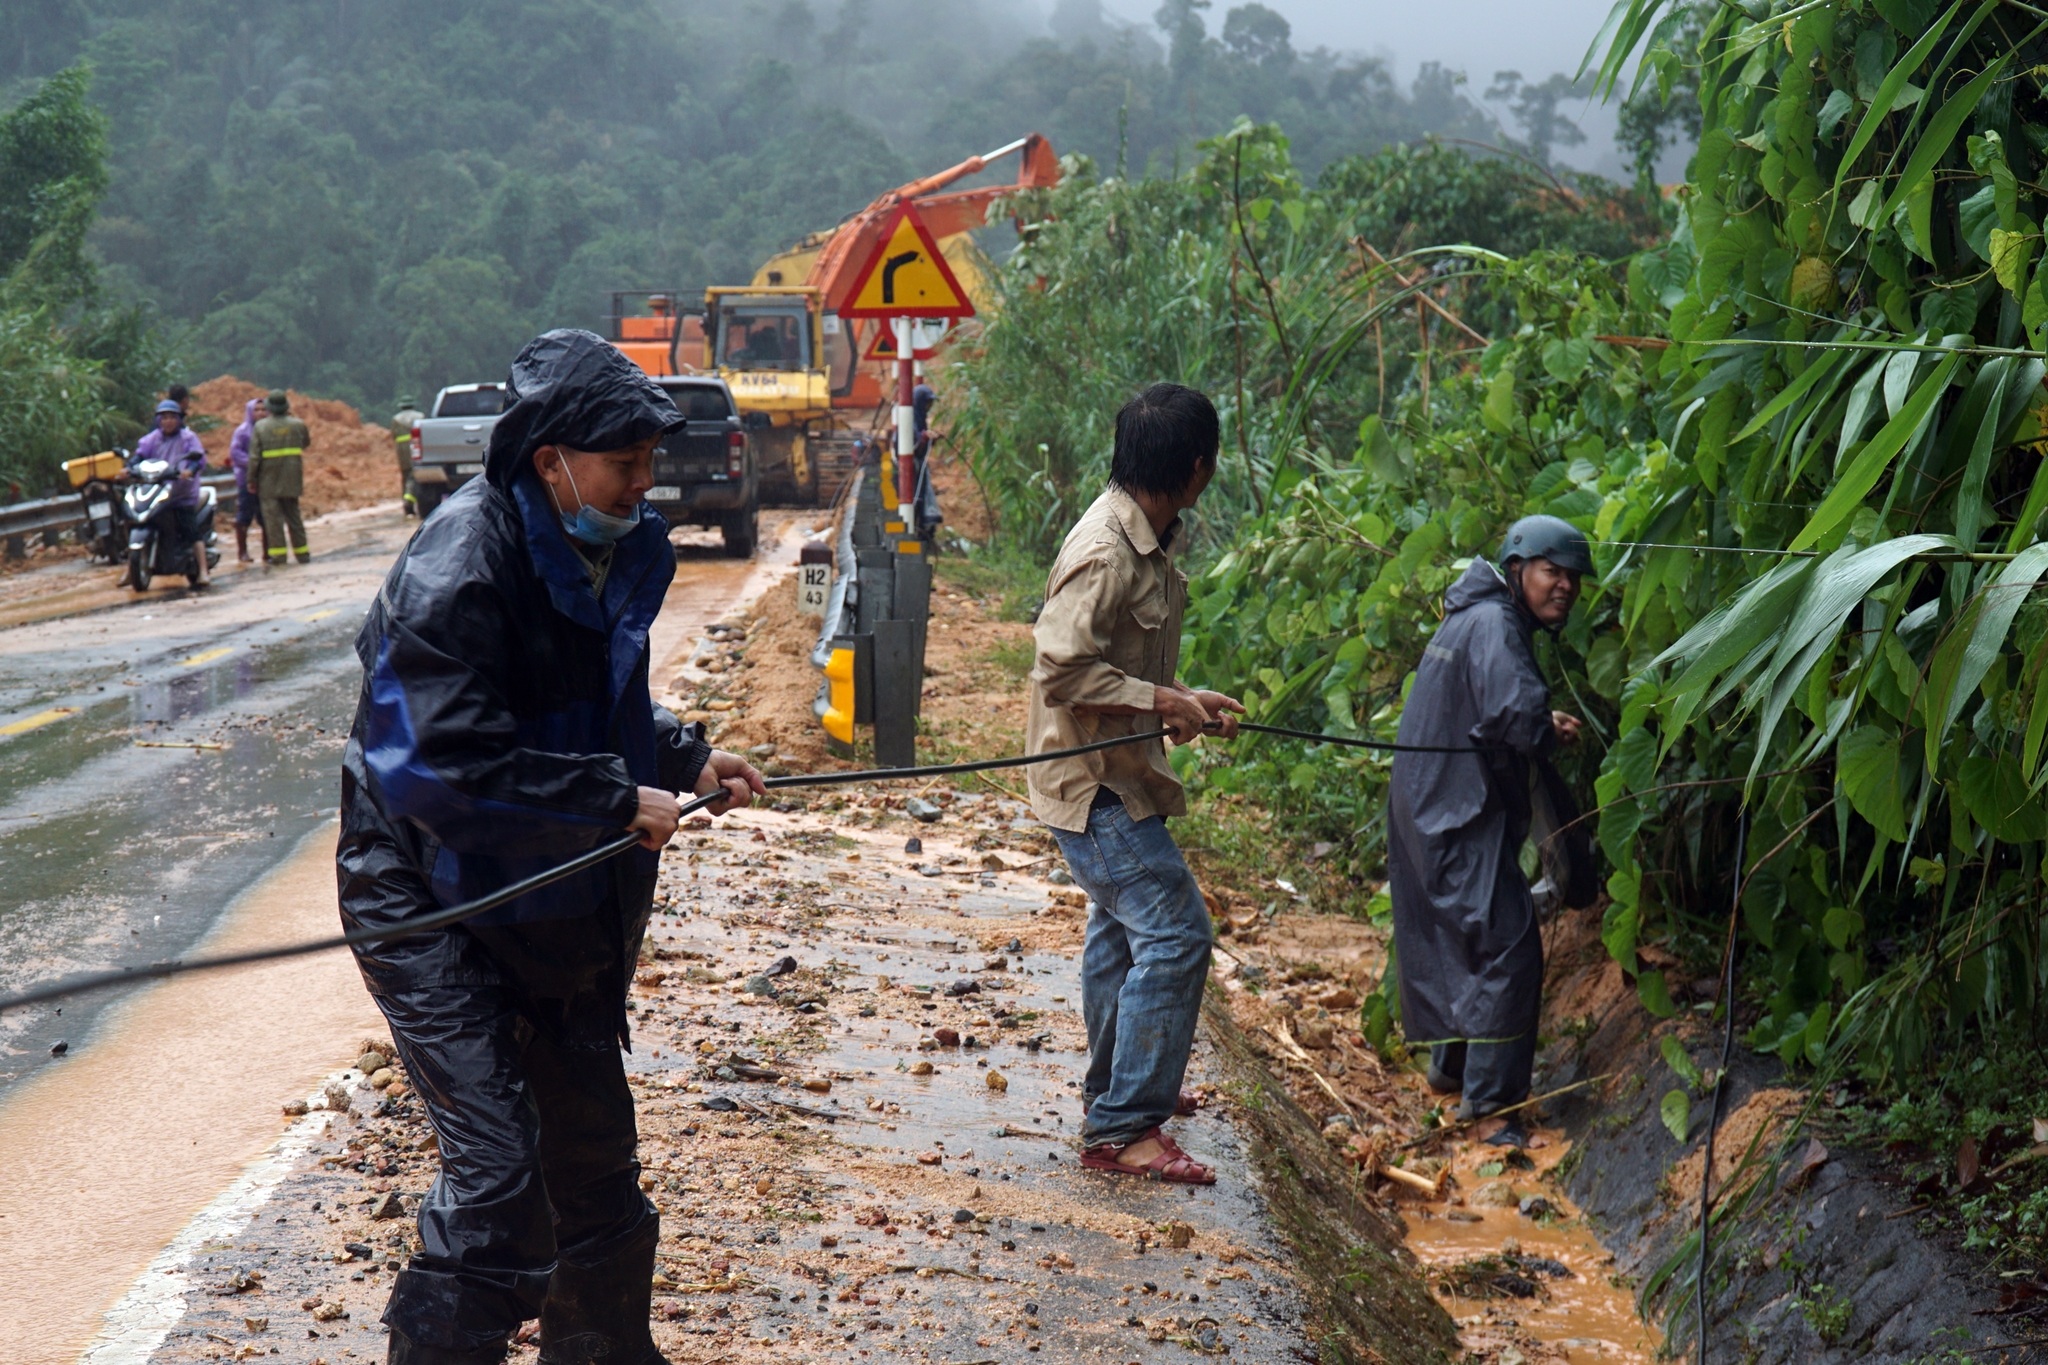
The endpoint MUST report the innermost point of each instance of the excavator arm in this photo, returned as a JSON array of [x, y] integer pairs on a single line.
[[946, 215]]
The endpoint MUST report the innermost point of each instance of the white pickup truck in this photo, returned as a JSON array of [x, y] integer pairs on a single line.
[[448, 446]]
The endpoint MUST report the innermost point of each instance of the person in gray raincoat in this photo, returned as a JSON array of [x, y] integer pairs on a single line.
[[1469, 954]]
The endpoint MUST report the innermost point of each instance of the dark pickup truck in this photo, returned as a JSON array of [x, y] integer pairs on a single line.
[[704, 472]]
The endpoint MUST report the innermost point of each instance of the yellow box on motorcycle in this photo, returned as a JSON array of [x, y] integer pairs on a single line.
[[107, 464]]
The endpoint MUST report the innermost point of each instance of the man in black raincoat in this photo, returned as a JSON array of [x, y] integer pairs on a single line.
[[1469, 954], [505, 726]]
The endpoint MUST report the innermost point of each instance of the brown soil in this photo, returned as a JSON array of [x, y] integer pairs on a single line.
[[1758, 1124], [350, 463]]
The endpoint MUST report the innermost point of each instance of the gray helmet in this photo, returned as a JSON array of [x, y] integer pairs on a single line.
[[1551, 538]]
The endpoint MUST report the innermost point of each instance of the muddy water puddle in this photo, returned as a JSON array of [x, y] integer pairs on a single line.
[[107, 1153], [1506, 1275]]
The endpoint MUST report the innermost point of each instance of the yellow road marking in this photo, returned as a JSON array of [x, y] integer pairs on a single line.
[[39, 719], [208, 657], [322, 615]]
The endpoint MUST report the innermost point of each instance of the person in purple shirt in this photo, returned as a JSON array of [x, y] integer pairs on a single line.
[[171, 441], [246, 503]]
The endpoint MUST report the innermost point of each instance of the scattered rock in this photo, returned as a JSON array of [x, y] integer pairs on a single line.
[[336, 1095], [818, 1085], [295, 1109], [922, 811], [920, 1068], [382, 1077], [1496, 1194], [929, 1158], [329, 1311], [782, 966], [1315, 1034], [719, 1103], [1536, 1206], [913, 845], [761, 751], [1338, 1130], [964, 986], [59, 1048], [372, 1061], [1178, 1234], [963, 1215], [996, 1081], [390, 1206], [1059, 876], [361, 1251], [255, 1324], [946, 1037], [931, 870]]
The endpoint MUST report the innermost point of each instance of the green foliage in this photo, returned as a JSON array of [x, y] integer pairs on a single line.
[[76, 367], [1805, 432], [390, 196], [1245, 281]]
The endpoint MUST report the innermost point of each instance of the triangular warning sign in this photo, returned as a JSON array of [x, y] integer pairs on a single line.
[[906, 277], [924, 342]]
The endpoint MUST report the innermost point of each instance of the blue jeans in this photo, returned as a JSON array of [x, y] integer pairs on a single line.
[[1143, 967]]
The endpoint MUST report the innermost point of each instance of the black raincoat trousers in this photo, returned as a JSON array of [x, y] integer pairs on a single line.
[[1470, 957], [505, 726]]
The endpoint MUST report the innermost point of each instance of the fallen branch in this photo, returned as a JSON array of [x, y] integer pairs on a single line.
[[1457, 1124], [1638, 343], [1446, 314]]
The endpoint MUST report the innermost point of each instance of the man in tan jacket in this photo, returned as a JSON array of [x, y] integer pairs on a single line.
[[1108, 645]]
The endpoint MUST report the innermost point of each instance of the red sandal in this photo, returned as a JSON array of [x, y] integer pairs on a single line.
[[1172, 1165]]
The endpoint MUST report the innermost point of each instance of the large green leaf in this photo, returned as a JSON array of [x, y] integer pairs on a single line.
[[1841, 582], [1870, 463], [1895, 80], [1997, 796], [1869, 772], [1941, 132], [1968, 652]]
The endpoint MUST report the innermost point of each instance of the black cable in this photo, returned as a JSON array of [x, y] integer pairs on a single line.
[[456, 914], [1381, 744], [1720, 1075]]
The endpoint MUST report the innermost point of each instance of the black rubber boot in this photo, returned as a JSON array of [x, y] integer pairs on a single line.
[[597, 1314], [403, 1350]]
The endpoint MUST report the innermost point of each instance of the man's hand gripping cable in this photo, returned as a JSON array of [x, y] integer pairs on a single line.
[[456, 914]]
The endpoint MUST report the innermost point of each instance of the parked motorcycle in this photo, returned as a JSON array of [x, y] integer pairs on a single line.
[[155, 542], [97, 479]]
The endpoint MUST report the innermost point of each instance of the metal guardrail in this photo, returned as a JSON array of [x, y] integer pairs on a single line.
[[44, 515]]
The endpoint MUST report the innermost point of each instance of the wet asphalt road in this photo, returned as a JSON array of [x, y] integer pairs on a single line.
[[116, 854]]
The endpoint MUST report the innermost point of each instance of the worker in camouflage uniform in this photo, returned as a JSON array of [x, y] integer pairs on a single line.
[[402, 422], [277, 476]]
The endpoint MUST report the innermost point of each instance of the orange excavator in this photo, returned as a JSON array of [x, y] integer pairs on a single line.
[[795, 367]]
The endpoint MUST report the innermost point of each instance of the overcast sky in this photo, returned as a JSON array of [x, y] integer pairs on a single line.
[[1478, 37]]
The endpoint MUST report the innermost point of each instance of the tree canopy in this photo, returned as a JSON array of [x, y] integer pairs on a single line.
[[382, 196]]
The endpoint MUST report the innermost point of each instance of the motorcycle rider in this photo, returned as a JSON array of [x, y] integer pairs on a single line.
[[174, 443]]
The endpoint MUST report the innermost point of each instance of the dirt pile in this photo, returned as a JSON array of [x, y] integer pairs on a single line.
[[351, 463]]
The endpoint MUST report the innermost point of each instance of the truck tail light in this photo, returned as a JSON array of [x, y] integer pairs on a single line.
[[735, 454], [415, 444]]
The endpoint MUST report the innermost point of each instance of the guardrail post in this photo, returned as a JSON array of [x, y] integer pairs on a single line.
[[913, 602], [895, 693]]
